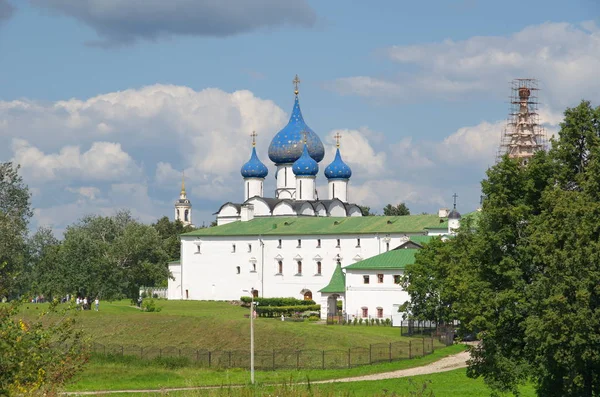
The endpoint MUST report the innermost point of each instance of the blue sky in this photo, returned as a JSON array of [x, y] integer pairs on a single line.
[[418, 89]]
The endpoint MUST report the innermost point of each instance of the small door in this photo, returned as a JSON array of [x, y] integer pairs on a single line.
[[255, 293], [308, 296]]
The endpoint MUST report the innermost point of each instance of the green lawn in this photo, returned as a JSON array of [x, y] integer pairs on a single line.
[[217, 326], [446, 384], [136, 374]]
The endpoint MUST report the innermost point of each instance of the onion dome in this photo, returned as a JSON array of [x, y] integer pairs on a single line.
[[254, 168], [305, 165], [454, 214], [338, 169], [286, 146]]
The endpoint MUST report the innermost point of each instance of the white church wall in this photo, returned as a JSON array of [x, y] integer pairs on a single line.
[[337, 209], [212, 272], [354, 211], [260, 207], [373, 295], [284, 209], [174, 287], [321, 210], [306, 210]]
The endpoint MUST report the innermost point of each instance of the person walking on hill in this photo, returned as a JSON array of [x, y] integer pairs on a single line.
[[97, 303]]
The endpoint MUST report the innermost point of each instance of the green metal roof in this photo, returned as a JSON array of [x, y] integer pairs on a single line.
[[325, 225], [337, 284], [395, 259]]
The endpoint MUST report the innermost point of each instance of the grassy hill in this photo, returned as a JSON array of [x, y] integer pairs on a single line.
[[216, 326]]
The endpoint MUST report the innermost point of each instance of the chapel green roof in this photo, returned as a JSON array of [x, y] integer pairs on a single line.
[[337, 284], [325, 225], [395, 259]]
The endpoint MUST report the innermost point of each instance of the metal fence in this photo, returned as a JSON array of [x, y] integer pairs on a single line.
[[279, 359], [443, 332]]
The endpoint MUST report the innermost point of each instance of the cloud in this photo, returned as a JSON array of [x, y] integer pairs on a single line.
[[127, 149], [6, 11], [563, 56], [120, 22], [357, 151], [103, 161]]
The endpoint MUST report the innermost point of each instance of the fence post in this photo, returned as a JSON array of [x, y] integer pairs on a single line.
[[141, 352], [432, 349], [349, 358], [390, 351], [197, 355], [410, 349], [370, 352], [179, 352], [229, 359], [209, 358], [104, 349], [323, 359], [423, 347], [273, 359], [297, 359]]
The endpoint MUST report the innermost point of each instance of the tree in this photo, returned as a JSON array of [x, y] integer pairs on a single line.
[[110, 257], [38, 276], [15, 212], [366, 211], [398, 210], [527, 279], [169, 232]]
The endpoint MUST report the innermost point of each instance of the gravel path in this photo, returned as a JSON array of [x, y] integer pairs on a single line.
[[448, 363]]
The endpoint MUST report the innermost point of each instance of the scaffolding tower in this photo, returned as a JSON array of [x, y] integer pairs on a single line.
[[523, 135]]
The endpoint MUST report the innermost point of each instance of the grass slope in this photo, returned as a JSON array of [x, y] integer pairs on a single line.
[[217, 326]]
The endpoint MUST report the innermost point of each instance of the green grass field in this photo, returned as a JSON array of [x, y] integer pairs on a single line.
[[131, 373], [446, 384], [222, 326], [217, 326]]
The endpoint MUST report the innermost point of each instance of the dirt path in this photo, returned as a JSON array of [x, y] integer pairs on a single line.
[[448, 363]]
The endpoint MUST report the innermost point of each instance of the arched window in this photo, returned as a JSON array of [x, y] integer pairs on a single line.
[[238, 270], [279, 267], [319, 267], [307, 296], [299, 267], [186, 215]]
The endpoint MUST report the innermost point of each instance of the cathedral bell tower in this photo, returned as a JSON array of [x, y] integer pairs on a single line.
[[183, 207]]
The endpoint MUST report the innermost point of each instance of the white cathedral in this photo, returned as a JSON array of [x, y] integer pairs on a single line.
[[297, 244]]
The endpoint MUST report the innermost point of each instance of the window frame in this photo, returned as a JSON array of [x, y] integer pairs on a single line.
[[380, 278], [366, 279]]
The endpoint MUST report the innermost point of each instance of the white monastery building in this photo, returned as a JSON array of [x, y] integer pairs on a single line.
[[296, 244]]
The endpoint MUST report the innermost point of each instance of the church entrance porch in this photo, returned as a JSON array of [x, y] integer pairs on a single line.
[[332, 310]]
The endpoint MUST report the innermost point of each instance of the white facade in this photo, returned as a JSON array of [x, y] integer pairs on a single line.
[[305, 188], [220, 267], [374, 299]]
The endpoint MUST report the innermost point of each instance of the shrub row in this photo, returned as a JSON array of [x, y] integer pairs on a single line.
[[276, 301], [288, 311]]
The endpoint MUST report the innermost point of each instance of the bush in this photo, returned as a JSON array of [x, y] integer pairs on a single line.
[[313, 318], [354, 321], [372, 321], [360, 321], [377, 321], [388, 322], [277, 311], [149, 305], [276, 301], [40, 356]]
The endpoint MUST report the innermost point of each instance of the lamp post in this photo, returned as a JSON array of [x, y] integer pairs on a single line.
[[251, 292]]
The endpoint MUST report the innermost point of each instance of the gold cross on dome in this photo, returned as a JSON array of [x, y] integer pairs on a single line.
[[337, 137], [253, 135], [296, 81]]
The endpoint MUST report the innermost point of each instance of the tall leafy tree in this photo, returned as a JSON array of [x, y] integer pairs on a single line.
[[169, 232], [15, 212], [530, 272], [396, 210], [366, 211]]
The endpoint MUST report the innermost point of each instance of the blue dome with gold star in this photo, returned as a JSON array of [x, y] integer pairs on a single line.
[[338, 169], [254, 168], [305, 165], [286, 146]]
